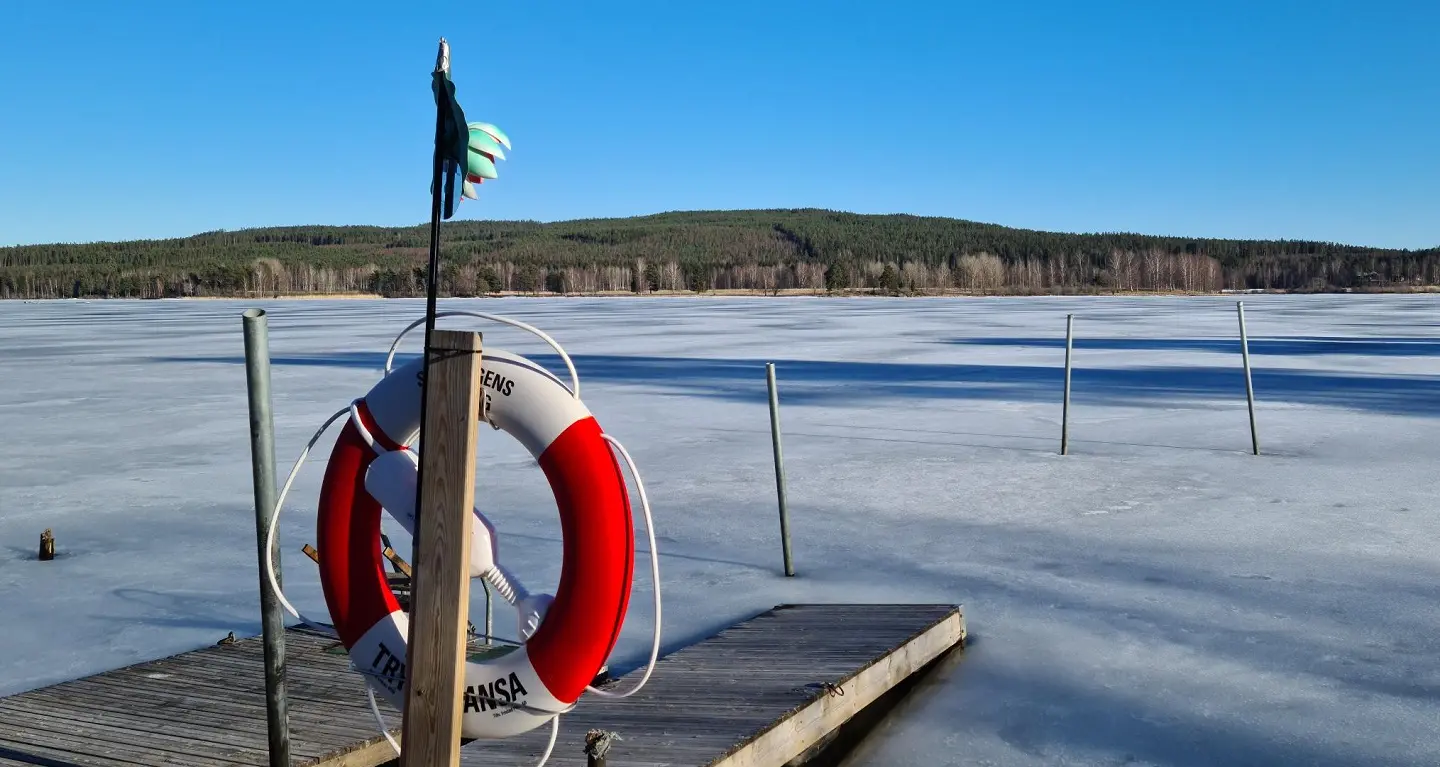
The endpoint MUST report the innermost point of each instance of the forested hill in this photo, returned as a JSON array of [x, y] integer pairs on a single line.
[[761, 250]]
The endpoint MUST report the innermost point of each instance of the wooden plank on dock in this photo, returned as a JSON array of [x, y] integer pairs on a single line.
[[204, 708], [758, 694], [755, 695]]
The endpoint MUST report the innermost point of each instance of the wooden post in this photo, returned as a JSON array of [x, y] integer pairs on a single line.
[[1249, 388], [597, 745], [1065, 409], [47, 546], [435, 667]]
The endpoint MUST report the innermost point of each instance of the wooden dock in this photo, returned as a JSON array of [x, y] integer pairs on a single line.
[[757, 694], [204, 708]]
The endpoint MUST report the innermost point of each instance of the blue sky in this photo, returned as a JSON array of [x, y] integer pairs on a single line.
[[1304, 120]]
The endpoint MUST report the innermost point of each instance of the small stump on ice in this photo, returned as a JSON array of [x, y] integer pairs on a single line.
[[47, 546]]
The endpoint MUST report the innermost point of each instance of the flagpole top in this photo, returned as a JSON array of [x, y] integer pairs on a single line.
[[442, 59]]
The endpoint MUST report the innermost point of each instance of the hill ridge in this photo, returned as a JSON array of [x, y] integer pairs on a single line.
[[765, 250]]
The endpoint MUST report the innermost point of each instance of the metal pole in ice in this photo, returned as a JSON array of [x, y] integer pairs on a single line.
[[1249, 387], [262, 459], [779, 467], [1065, 410]]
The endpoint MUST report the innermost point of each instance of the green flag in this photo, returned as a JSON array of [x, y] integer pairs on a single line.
[[452, 139]]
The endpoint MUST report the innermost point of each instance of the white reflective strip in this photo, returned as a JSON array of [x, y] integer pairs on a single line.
[[392, 479], [491, 687], [523, 399]]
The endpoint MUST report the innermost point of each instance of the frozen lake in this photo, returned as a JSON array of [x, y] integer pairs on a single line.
[[1159, 596]]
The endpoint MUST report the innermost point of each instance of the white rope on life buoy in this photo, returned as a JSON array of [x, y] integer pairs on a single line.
[[630, 463], [574, 377], [369, 438]]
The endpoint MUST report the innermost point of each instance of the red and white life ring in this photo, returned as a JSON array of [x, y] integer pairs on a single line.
[[524, 688]]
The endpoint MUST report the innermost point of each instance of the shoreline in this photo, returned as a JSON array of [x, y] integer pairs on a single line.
[[791, 293]]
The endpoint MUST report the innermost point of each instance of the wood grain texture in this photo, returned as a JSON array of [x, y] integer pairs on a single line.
[[204, 708], [753, 695], [440, 590]]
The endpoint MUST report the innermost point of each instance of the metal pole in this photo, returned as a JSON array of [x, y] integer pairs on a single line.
[[779, 467], [489, 613], [442, 64], [1065, 412], [1249, 387], [262, 458]]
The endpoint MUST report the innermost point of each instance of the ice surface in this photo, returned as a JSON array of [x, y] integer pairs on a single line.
[[1160, 596]]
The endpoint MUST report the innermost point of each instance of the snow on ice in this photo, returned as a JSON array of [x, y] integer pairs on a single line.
[[1159, 596]]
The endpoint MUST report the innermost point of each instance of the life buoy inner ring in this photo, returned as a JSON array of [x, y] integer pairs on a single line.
[[522, 689]]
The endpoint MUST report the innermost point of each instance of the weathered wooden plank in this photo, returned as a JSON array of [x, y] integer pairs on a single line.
[[32, 754], [98, 751], [314, 735], [752, 693], [435, 661], [337, 700], [204, 708], [121, 739], [369, 754], [742, 698], [168, 695], [32, 761], [317, 742], [226, 676], [308, 741], [795, 734], [186, 731]]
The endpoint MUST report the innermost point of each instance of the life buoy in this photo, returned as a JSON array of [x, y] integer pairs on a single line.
[[525, 687]]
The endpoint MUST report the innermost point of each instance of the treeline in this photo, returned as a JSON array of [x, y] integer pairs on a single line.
[[766, 250]]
